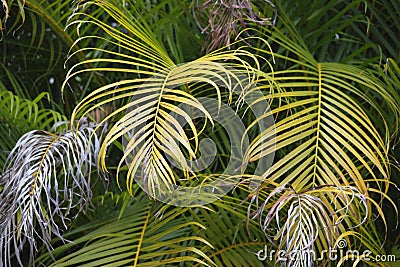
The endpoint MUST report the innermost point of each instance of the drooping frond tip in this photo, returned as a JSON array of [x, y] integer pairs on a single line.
[[316, 216], [46, 183], [224, 20]]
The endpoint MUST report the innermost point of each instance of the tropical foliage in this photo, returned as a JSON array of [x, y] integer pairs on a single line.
[[300, 101]]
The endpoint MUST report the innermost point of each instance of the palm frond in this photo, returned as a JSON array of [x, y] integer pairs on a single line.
[[235, 240], [19, 116], [331, 31], [33, 49], [325, 136], [156, 89], [381, 27], [172, 23], [322, 111], [130, 34], [309, 224], [143, 236], [46, 183], [390, 74]]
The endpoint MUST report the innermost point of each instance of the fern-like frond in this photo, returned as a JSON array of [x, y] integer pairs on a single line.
[[326, 135], [18, 116], [142, 236], [235, 241], [323, 110], [46, 183], [34, 46], [159, 97]]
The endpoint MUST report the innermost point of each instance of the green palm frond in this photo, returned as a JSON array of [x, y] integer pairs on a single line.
[[33, 49], [332, 31], [46, 183], [172, 23], [343, 31], [142, 236], [381, 27], [19, 116], [36, 40], [390, 74], [171, 237], [235, 240]]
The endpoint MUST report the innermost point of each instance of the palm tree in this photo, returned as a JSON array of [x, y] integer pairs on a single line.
[[306, 166]]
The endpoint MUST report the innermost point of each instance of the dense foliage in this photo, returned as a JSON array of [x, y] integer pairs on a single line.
[[104, 106]]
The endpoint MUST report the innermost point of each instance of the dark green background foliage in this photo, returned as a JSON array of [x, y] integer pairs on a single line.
[[329, 69]]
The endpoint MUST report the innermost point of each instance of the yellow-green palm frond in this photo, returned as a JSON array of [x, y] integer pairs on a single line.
[[152, 123], [325, 109], [144, 235], [128, 39], [156, 95], [326, 113], [235, 240], [326, 136]]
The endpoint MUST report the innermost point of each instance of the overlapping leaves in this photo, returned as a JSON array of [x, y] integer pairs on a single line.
[[46, 183], [329, 147], [327, 138], [156, 88], [19, 116], [140, 237]]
